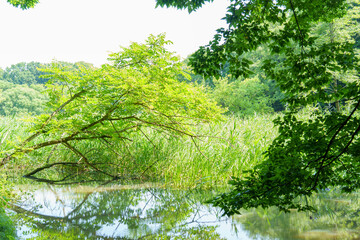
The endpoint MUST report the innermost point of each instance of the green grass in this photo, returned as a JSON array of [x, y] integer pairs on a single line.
[[223, 150], [230, 148]]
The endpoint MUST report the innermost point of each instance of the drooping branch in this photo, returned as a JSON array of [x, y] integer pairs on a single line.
[[162, 125], [77, 152], [32, 137], [51, 116], [49, 166], [325, 157]]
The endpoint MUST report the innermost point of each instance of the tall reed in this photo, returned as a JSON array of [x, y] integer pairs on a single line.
[[222, 150], [228, 149]]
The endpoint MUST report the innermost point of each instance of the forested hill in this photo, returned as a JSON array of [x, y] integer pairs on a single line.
[[31, 73]]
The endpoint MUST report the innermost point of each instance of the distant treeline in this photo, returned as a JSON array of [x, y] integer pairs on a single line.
[[22, 90], [32, 73], [22, 87]]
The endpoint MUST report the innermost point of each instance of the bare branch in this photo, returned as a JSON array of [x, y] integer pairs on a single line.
[[49, 166]]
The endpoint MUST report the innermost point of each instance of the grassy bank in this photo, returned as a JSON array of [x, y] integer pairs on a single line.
[[223, 149]]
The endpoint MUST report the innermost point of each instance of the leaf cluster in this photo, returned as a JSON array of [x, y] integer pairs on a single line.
[[23, 4], [18, 99], [191, 6], [252, 24], [306, 157]]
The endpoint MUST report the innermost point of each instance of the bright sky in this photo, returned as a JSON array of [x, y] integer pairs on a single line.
[[87, 30]]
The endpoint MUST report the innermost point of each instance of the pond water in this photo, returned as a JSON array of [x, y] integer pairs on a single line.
[[147, 212]]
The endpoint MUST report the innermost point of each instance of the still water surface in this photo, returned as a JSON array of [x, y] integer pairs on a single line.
[[148, 212]]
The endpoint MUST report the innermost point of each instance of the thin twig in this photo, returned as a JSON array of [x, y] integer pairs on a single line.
[[192, 139]]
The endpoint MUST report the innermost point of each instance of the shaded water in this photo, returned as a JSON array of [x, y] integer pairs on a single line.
[[147, 212]]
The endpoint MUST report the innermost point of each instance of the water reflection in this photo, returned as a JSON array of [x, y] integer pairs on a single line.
[[337, 217], [115, 213], [147, 212]]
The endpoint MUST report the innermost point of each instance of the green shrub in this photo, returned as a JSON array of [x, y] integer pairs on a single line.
[[242, 96]]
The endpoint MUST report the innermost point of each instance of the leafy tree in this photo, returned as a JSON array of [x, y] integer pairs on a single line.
[[25, 73], [308, 155], [243, 96], [21, 99], [229, 93], [32, 72], [344, 29], [138, 90], [18, 74]]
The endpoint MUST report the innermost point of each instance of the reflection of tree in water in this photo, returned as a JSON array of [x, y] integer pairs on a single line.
[[337, 217], [106, 213]]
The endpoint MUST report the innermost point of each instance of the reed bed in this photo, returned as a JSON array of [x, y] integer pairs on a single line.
[[222, 150], [228, 149]]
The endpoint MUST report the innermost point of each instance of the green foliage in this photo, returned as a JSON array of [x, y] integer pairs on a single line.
[[245, 34], [227, 149], [23, 4], [21, 99], [139, 87], [112, 104], [33, 72], [309, 154], [6, 85], [182, 4], [23, 73], [243, 97], [22, 89], [7, 228], [223, 149]]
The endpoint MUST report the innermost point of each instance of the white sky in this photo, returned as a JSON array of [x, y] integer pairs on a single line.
[[87, 30]]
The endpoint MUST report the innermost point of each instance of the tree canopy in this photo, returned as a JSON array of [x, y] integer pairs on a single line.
[[22, 87], [309, 154], [24, 73], [21, 99], [108, 105]]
